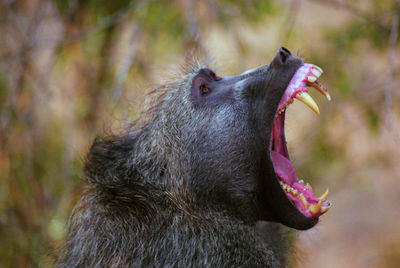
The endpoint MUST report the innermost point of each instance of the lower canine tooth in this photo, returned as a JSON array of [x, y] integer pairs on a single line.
[[325, 195], [315, 208]]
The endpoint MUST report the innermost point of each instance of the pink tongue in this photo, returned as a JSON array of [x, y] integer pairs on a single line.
[[283, 168]]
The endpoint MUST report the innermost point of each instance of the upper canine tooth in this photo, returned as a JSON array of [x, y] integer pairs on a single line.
[[325, 195], [316, 72], [307, 100]]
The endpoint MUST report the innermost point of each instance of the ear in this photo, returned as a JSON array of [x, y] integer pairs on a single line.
[[280, 57]]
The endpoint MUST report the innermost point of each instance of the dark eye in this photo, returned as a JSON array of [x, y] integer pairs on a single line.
[[204, 90]]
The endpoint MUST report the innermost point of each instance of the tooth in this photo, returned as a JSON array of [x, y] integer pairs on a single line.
[[316, 72], [308, 186], [311, 79], [307, 100], [324, 209], [295, 192], [319, 69], [303, 199], [328, 204], [315, 208], [318, 87], [325, 195]]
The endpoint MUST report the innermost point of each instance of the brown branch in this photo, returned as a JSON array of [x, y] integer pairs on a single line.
[[21, 59]]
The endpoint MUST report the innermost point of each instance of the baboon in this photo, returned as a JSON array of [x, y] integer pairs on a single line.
[[186, 185]]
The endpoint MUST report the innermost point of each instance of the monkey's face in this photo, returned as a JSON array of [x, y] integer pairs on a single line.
[[239, 147]]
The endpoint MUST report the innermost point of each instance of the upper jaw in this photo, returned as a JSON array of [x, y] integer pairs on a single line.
[[306, 75]]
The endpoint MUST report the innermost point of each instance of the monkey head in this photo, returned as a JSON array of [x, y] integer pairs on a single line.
[[236, 142]]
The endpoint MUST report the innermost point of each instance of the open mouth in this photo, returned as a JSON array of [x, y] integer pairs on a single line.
[[298, 192]]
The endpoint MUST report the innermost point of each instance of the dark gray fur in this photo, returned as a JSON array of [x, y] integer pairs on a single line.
[[181, 187]]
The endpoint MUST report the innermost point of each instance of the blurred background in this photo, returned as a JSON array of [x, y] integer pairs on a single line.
[[71, 69]]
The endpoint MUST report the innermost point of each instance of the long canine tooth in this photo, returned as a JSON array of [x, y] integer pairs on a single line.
[[303, 200], [307, 100], [315, 208], [318, 87], [325, 195]]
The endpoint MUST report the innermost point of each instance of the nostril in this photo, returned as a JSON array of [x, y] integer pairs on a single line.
[[284, 54], [280, 57], [286, 50]]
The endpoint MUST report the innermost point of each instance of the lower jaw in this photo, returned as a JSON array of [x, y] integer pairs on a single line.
[[297, 191]]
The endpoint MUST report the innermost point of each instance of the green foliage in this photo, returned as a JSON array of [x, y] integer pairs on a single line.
[[99, 7], [343, 85], [373, 118], [346, 38], [162, 16], [252, 10]]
